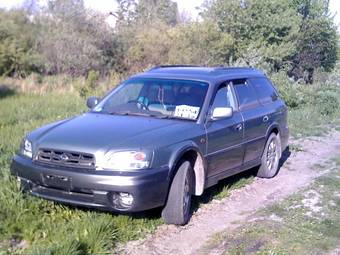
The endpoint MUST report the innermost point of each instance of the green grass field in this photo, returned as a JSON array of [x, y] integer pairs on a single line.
[[29, 225]]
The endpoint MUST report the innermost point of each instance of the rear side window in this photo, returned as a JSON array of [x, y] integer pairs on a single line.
[[245, 94], [264, 90]]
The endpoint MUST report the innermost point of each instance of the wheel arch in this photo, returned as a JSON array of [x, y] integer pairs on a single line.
[[273, 128], [191, 153]]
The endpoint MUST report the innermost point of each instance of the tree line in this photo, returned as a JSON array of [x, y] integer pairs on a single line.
[[298, 37]]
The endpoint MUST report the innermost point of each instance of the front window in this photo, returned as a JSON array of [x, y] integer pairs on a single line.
[[164, 98], [224, 98]]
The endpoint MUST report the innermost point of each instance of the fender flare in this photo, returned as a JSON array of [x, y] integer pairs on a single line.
[[273, 126], [200, 169]]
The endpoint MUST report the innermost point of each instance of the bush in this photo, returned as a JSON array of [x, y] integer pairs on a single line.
[[90, 84], [289, 90], [327, 102], [18, 52], [334, 76], [38, 78], [292, 97]]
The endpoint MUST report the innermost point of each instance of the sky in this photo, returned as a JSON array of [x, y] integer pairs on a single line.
[[187, 6], [106, 6]]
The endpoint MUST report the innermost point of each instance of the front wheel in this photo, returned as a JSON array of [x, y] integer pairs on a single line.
[[270, 158], [177, 208]]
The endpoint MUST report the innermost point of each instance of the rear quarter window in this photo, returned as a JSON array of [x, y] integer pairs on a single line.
[[264, 89]]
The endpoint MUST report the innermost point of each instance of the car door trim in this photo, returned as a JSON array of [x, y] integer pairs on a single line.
[[234, 146]]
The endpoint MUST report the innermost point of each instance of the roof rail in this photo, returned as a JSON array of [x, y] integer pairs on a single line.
[[165, 66], [233, 67]]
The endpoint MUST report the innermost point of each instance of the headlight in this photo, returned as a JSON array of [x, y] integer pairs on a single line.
[[126, 160], [26, 148]]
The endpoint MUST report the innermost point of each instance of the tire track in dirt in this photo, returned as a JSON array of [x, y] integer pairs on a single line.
[[297, 172]]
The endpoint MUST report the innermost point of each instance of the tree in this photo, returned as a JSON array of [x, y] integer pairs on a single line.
[[148, 11], [75, 40], [201, 43], [295, 35], [18, 46], [126, 13], [143, 28], [261, 37], [316, 42]]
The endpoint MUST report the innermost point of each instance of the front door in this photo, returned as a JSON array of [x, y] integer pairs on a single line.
[[225, 135]]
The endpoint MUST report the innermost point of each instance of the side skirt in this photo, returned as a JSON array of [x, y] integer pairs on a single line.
[[212, 180]]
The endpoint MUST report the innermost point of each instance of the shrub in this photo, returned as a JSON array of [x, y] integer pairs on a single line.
[[327, 102], [334, 76], [90, 84], [38, 78], [289, 90], [92, 79]]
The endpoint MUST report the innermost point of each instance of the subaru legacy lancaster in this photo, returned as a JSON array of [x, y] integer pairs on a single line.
[[158, 139]]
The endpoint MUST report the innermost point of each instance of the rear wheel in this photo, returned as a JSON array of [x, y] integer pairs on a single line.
[[270, 158], [177, 208]]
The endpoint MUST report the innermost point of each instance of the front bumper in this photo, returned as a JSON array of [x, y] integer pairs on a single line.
[[92, 188]]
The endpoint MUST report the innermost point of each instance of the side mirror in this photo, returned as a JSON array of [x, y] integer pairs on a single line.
[[222, 112], [92, 102]]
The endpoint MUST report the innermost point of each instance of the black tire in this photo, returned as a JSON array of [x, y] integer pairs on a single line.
[[270, 157], [177, 208]]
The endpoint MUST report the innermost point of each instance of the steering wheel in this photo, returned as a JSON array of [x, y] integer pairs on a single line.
[[142, 105]]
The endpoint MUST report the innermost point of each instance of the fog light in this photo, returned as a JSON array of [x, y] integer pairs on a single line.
[[122, 200]]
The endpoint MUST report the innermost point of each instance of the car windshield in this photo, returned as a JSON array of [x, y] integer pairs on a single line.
[[160, 98]]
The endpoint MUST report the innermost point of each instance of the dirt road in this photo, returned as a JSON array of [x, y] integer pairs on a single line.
[[297, 171]]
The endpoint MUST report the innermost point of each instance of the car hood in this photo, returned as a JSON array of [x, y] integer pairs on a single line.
[[93, 132]]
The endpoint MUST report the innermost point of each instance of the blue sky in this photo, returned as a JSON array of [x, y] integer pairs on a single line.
[[188, 6]]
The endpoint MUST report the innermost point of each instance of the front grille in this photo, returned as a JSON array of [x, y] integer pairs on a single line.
[[66, 158]]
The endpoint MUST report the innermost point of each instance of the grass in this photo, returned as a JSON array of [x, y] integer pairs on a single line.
[[309, 122], [305, 223], [44, 226], [29, 225], [316, 116], [41, 85]]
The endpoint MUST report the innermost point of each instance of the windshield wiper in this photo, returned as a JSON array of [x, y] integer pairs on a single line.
[[175, 117], [168, 117], [134, 114], [139, 114], [145, 114]]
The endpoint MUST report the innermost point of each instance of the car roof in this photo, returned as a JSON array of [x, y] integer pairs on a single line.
[[209, 74]]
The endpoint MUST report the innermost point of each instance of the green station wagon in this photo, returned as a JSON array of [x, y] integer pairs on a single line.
[[158, 139]]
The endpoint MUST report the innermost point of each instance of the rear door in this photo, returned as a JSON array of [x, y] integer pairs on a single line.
[[255, 120], [225, 150], [275, 109]]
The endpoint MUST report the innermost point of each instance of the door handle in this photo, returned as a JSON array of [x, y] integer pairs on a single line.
[[265, 118], [239, 127]]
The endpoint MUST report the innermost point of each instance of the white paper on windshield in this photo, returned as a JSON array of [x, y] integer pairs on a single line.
[[187, 111]]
